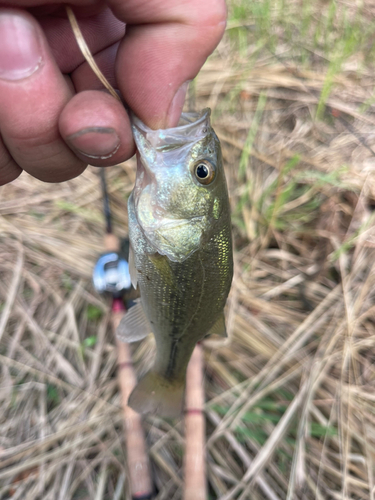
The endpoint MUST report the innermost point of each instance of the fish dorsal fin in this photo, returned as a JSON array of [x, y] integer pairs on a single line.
[[218, 328], [134, 325], [132, 268]]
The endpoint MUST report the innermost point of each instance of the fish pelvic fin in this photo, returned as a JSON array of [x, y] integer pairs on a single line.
[[157, 395], [134, 324]]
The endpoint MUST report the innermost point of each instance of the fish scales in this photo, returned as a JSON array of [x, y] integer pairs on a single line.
[[180, 234], [192, 300]]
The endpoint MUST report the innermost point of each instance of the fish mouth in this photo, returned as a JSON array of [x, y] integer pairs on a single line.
[[161, 150], [162, 164], [191, 128]]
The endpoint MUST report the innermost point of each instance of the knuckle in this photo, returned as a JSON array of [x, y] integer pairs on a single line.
[[213, 14], [46, 158], [9, 170], [55, 166], [209, 26], [8, 175]]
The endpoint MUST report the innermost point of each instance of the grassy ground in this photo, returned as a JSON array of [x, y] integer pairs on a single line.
[[291, 397]]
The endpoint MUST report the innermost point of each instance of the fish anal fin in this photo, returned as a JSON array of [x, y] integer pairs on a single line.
[[134, 325], [218, 328], [132, 268], [156, 395]]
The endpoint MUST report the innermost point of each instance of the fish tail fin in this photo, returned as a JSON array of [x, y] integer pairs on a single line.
[[155, 394]]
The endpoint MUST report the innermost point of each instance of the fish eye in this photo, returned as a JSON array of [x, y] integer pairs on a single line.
[[204, 172]]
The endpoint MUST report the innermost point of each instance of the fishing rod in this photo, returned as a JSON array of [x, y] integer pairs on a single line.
[[111, 277], [195, 486]]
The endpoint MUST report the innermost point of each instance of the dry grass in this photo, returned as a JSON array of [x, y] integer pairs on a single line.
[[291, 398]]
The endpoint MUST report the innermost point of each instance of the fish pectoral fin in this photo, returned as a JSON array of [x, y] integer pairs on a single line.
[[156, 395], [218, 328], [134, 325], [132, 268]]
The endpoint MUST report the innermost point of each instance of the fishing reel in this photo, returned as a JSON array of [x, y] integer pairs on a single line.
[[111, 275]]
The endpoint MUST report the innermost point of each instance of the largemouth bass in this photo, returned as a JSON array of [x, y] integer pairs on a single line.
[[181, 252]]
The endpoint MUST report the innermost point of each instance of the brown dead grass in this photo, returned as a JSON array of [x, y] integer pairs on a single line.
[[291, 396]]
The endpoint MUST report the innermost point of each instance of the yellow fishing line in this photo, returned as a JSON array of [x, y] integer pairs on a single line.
[[86, 52]]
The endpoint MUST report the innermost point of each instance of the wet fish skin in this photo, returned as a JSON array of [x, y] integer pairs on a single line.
[[180, 233]]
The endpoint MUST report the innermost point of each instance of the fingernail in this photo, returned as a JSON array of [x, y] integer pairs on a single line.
[[95, 142], [20, 51], [175, 109]]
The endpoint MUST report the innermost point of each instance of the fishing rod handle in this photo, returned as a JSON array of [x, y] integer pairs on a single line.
[[195, 430], [137, 459]]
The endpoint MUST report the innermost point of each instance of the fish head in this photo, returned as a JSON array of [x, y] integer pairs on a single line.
[[180, 189]]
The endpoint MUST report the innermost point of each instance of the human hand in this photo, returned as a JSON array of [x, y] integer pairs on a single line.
[[54, 118]]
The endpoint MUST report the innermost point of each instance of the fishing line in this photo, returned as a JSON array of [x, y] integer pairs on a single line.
[[87, 53]]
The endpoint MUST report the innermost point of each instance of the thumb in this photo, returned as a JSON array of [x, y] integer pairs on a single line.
[[163, 49]]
